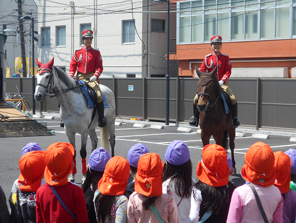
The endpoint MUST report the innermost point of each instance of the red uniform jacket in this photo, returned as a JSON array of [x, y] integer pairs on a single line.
[[50, 210], [87, 60], [224, 65]]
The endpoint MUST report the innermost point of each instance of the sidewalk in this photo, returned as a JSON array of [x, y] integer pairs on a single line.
[[242, 129]]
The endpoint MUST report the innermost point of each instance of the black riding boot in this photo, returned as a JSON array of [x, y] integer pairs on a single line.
[[194, 119], [235, 120], [102, 119]]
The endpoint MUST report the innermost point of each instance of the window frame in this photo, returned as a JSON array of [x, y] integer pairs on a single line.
[[61, 45], [42, 30], [123, 33], [158, 30]]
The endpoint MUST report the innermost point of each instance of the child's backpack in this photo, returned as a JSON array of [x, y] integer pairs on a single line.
[[23, 205]]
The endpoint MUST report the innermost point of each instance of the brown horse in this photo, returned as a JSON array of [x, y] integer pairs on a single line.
[[212, 118]]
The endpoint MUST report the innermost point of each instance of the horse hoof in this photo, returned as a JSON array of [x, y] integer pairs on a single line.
[[71, 178], [83, 178]]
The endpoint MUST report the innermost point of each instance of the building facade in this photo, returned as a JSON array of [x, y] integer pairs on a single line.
[[258, 35], [131, 35]]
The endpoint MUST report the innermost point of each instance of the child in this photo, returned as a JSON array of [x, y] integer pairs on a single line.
[[4, 214], [177, 176], [109, 199], [282, 166], [211, 195], [148, 203], [258, 170], [31, 146], [292, 154], [96, 166], [59, 200], [133, 156], [22, 199]]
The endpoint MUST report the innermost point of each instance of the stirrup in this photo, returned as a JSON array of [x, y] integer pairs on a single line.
[[71, 178], [193, 121], [102, 122], [235, 122]]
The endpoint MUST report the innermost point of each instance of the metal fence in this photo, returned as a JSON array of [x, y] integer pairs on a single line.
[[263, 102]]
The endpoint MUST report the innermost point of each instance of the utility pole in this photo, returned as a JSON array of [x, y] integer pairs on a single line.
[[22, 36]]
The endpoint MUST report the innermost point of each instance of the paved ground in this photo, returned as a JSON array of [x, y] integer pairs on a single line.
[[127, 135]]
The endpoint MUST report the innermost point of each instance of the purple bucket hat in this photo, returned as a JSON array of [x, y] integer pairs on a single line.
[[98, 159], [292, 154], [177, 153], [229, 162], [32, 146], [135, 152]]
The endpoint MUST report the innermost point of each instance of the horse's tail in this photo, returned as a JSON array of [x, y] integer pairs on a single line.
[[105, 138], [225, 139]]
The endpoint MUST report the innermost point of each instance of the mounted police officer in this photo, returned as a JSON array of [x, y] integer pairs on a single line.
[[223, 74], [89, 65]]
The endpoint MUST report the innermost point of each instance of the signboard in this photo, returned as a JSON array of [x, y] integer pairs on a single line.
[[130, 87]]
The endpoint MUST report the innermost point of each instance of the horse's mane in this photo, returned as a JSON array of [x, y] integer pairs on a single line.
[[206, 77], [65, 78]]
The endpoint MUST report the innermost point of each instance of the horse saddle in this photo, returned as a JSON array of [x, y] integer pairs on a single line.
[[90, 95], [226, 101]]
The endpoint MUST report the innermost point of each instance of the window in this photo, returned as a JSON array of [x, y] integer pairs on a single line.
[[251, 25], [237, 26], [60, 35], [131, 75], [294, 21], [282, 18], [196, 29], [86, 26], [45, 34], [210, 26], [267, 23], [157, 25], [128, 31], [185, 29], [223, 26]]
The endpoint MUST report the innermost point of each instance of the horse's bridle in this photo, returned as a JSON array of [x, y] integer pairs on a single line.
[[208, 96], [50, 82], [50, 78]]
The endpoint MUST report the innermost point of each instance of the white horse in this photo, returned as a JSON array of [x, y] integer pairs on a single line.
[[76, 114]]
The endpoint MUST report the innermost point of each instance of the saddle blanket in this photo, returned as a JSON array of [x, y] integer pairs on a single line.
[[89, 101], [225, 104]]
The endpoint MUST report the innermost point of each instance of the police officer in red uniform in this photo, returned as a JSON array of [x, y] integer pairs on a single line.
[[89, 65], [223, 74]]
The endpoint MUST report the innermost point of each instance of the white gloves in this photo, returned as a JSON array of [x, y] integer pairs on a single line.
[[221, 82], [93, 78]]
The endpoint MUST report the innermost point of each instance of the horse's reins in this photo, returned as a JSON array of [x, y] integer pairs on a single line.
[[209, 106], [50, 83]]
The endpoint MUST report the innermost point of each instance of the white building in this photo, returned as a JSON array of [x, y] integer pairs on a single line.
[[124, 32], [9, 20]]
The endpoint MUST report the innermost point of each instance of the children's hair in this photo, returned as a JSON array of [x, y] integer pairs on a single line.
[[182, 175], [106, 202], [91, 181], [213, 198], [133, 169], [148, 201]]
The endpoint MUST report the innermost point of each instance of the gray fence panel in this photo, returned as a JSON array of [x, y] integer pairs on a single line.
[[129, 97], [245, 91], [278, 104], [108, 82], [13, 85], [27, 92], [188, 89]]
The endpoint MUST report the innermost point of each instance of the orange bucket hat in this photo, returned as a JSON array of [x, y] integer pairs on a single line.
[[115, 177], [259, 165], [213, 169], [282, 165], [58, 161], [149, 175], [32, 167]]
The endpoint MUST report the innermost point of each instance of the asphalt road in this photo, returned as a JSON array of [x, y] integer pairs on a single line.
[[127, 135]]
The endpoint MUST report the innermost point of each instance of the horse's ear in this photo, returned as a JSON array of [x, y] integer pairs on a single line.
[[198, 72], [213, 73], [38, 63], [50, 64]]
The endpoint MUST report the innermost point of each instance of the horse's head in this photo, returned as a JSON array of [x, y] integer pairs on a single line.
[[208, 87], [44, 78]]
